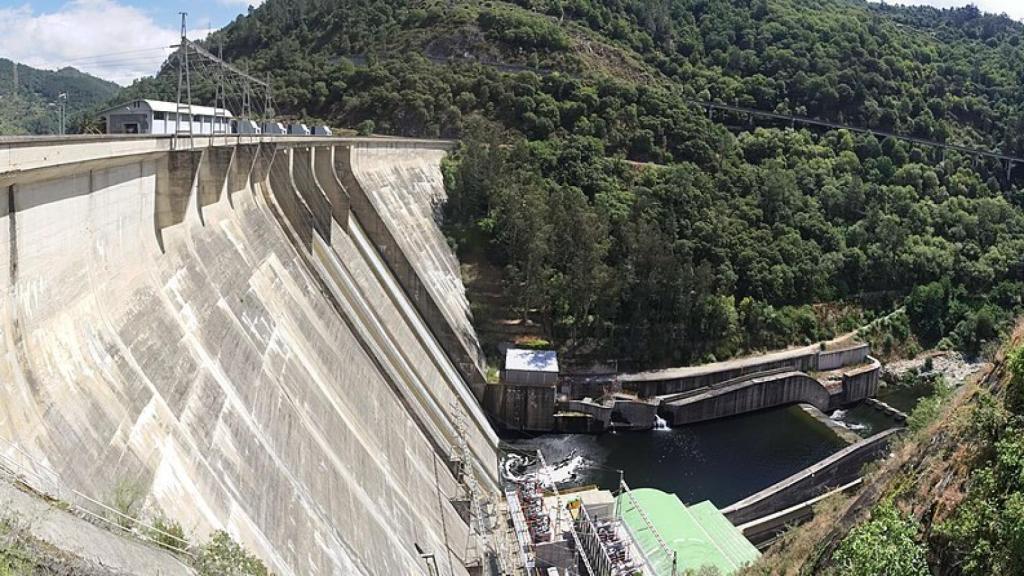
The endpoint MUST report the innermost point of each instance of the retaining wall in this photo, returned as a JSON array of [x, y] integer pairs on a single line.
[[832, 359], [687, 378], [521, 408], [676, 380], [747, 396], [859, 384], [839, 469]]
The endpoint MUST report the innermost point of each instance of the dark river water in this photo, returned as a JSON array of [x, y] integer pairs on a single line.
[[722, 461], [867, 421]]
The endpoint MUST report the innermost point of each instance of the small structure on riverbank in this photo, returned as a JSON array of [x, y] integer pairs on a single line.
[[524, 398], [530, 367]]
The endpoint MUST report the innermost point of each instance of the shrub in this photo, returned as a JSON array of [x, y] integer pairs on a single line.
[[366, 127], [886, 545], [1015, 387], [127, 500], [222, 556], [168, 534], [928, 408]]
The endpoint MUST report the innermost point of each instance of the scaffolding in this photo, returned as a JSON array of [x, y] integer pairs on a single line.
[[608, 545], [484, 531], [577, 542]]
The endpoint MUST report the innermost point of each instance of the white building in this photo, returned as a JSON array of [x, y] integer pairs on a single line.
[[530, 367], [158, 117]]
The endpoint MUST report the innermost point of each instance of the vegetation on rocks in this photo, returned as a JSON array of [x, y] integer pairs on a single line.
[[885, 545]]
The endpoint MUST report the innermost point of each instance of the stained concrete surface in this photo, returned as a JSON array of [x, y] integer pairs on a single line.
[[233, 374], [64, 541], [397, 195]]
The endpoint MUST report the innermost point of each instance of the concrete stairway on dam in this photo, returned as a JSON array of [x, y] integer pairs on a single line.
[[223, 330]]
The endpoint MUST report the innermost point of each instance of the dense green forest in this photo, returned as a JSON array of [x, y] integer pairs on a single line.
[[31, 109], [631, 224]]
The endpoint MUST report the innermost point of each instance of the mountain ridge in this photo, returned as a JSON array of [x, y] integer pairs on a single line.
[[28, 110]]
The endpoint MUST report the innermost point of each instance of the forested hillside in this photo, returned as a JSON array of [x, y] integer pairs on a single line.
[[31, 109], [631, 224]]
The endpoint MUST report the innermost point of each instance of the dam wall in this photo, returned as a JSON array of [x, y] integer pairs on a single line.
[[212, 330], [397, 198]]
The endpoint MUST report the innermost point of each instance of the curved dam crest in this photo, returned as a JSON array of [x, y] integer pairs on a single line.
[[220, 331]]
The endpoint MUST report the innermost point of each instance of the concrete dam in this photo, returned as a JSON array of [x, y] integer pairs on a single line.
[[266, 336]]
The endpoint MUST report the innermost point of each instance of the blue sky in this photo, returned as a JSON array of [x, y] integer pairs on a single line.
[[115, 39], [124, 39]]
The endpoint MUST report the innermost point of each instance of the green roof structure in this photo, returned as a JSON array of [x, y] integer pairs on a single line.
[[699, 535]]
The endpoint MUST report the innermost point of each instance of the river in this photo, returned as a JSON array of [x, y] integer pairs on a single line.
[[722, 460]]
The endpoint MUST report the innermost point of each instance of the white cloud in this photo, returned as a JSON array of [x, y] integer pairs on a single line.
[[1012, 8], [102, 37]]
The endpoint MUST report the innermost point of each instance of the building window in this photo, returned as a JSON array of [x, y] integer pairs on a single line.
[[159, 115]]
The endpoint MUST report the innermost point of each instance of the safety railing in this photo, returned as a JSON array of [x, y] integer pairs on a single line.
[[21, 467]]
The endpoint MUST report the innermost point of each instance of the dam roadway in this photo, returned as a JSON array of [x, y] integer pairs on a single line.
[[265, 335]]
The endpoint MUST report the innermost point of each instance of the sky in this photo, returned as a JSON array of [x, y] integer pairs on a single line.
[[1012, 8], [121, 40], [118, 40]]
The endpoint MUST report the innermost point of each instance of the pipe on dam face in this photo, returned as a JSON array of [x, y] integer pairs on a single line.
[[164, 335]]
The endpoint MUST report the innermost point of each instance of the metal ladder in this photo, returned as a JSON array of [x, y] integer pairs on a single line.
[[481, 516]]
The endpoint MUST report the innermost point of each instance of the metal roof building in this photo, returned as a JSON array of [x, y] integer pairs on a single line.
[[695, 537], [530, 367], [159, 117]]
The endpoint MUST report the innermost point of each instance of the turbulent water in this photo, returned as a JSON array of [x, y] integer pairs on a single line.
[[722, 461]]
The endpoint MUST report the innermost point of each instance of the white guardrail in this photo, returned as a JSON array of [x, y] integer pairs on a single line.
[[19, 466]]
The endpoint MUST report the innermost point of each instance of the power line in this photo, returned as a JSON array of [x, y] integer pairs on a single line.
[[121, 53]]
